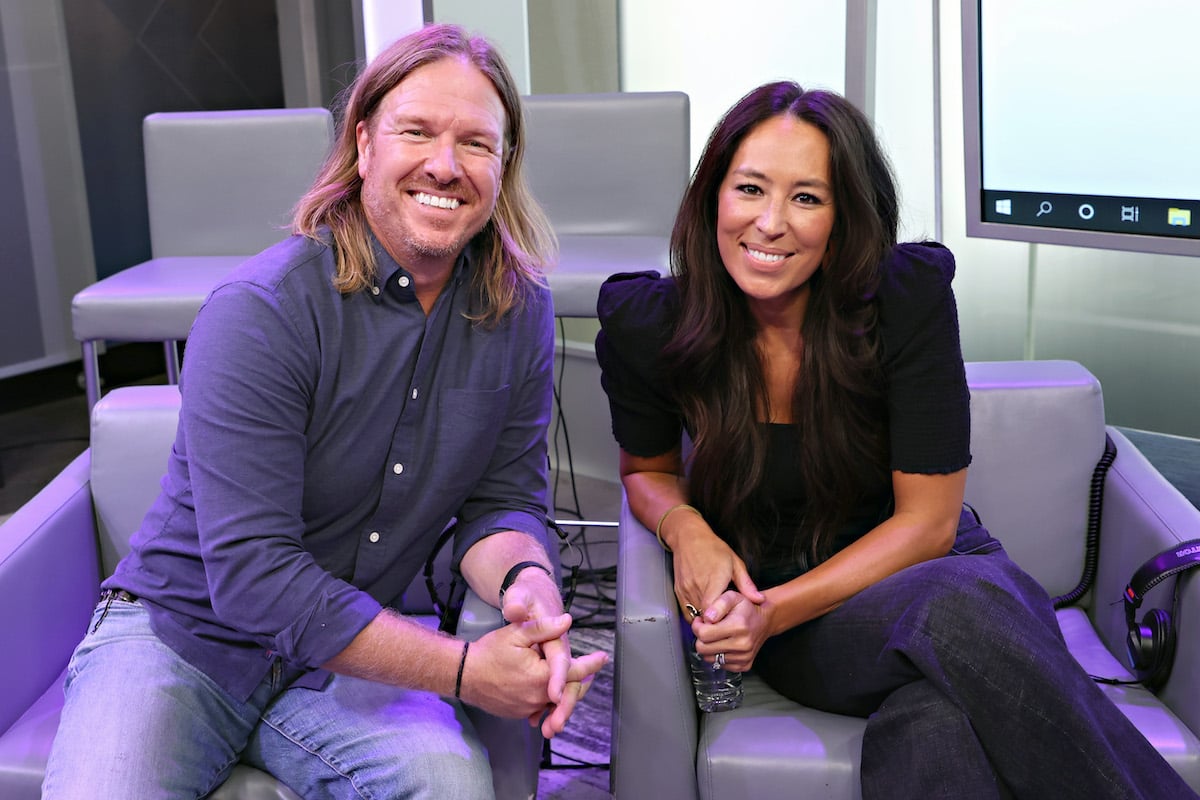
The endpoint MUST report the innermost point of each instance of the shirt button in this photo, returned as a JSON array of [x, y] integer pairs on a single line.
[[403, 281], [375, 290], [397, 468], [374, 537], [414, 394]]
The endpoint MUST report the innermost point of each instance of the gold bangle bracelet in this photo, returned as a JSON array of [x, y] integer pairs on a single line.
[[663, 518]]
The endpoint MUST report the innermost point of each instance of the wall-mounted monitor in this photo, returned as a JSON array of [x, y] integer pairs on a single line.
[[1082, 123]]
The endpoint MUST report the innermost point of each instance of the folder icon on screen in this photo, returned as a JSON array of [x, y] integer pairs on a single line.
[[1179, 216]]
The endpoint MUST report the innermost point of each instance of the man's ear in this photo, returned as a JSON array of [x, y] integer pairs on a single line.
[[362, 135]]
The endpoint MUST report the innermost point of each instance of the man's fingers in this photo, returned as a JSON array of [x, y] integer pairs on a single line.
[[557, 653], [515, 608], [556, 720], [583, 667], [542, 630], [526, 600]]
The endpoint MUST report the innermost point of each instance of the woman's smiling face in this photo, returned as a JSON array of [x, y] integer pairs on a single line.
[[775, 213]]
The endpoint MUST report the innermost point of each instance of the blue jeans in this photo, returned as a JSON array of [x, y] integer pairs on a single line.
[[968, 688], [139, 721]]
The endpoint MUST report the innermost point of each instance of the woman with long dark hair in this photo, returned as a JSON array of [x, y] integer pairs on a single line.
[[817, 521]]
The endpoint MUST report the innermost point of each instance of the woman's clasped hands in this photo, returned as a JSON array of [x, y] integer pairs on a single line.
[[728, 614]]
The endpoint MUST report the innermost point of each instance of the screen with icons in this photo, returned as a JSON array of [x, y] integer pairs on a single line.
[[1080, 122]]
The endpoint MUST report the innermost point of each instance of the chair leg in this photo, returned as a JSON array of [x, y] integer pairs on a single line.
[[91, 373], [171, 353]]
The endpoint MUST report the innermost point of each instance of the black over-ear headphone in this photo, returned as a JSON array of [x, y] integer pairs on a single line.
[[1151, 643]]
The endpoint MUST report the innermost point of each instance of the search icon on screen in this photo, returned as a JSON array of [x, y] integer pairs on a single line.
[[1045, 208]]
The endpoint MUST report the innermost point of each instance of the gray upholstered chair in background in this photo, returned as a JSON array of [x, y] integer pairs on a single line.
[[1038, 433], [609, 169], [220, 186], [55, 548]]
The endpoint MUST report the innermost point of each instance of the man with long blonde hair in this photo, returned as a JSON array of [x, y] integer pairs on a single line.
[[349, 394], [515, 243]]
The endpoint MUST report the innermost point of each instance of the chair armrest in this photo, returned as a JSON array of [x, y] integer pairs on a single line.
[[1143, 515], [50, 579], [514, 748], [654, 707], [477, 617]]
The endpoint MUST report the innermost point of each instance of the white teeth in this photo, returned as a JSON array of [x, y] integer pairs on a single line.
[[434, 200], [759, 255]]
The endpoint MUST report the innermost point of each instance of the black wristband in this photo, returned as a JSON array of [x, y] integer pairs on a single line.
[[462, 663], [511, 576]]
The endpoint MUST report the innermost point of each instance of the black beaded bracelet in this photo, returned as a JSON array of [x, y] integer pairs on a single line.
[[462, 663]]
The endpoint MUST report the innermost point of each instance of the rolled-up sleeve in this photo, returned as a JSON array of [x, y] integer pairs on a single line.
[[247, 380]]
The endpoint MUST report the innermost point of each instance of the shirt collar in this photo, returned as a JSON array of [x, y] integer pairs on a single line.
[[397, 282]]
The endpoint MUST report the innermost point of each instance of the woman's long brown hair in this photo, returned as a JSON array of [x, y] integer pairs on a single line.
[[712, 358]]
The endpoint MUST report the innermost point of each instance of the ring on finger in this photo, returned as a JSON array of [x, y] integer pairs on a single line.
[[719, 661], [691, 609]]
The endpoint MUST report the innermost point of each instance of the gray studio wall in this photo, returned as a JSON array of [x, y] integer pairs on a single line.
[[79, 76], [45, 247], [129, 59]]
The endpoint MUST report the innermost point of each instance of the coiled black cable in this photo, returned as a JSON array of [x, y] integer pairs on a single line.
[[1092, 542]]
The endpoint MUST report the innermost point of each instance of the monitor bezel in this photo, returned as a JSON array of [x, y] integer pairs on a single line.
[[977, 227]]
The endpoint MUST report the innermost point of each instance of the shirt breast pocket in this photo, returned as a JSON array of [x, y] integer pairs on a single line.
[[470, 422]]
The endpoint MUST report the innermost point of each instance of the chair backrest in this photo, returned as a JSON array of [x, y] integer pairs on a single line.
[[1037, 434], [224, 182], [614, 163], [133, 429]]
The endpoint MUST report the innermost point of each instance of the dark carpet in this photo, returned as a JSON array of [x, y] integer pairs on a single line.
[[1176, 457], [577, 768]]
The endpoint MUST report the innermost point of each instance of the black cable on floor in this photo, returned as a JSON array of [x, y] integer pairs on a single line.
[[594, 590], [560, 423]]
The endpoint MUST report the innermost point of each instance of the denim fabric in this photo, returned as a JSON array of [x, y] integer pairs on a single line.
[[140, 722], [360, 739], [969, 690]]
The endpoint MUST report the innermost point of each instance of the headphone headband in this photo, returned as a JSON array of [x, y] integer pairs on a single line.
[[1170, 562]]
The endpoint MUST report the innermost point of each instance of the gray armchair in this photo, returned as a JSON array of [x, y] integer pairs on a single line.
[[55, 548], [1038, 432]]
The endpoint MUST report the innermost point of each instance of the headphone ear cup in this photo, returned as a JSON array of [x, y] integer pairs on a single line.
[[1152, 648]]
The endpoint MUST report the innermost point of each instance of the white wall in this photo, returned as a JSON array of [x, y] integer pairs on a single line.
[[504, 22], [385, 21], [716, 51]]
